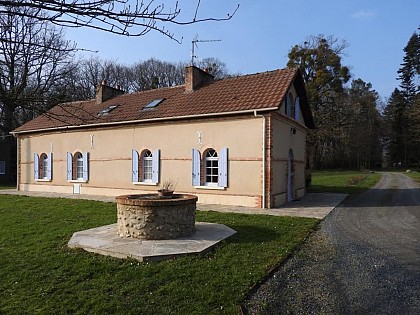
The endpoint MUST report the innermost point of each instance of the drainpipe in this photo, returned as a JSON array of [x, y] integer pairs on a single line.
[[263, 157], [17, 162]]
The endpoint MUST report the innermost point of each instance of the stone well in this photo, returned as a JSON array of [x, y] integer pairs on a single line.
[[149, 217]]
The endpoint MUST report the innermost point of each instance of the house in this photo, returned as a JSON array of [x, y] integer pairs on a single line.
[[236, 141]]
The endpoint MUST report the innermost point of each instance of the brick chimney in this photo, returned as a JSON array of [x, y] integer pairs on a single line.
[[195, 77], [105, 92]]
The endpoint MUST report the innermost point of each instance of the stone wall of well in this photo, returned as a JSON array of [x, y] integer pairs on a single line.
[[148, 218]]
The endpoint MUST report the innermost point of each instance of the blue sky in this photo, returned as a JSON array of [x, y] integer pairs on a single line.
[[260, 35]]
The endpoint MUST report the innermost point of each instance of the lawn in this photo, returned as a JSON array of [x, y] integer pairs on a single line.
[[348, 182], [41, 275], [414, 175]]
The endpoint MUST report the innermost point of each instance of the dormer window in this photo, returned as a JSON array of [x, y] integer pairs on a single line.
[[153, 103], [107, 110]]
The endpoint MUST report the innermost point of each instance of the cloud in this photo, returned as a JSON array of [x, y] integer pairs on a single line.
[[363, 14]]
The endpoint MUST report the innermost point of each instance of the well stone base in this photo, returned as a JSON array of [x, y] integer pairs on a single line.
[[148, 217]]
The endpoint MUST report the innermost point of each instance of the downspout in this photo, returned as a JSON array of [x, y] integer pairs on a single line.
[[17, 162], [263, 157]]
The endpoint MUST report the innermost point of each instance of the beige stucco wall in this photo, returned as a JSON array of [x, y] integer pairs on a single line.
[[110, 157], [283, 140]]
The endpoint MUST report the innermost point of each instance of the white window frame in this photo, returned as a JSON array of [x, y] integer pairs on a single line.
[[222, 183], [72, 162], [147, 165], [209, 169], [137, 175], [43, 167], [78, 161]]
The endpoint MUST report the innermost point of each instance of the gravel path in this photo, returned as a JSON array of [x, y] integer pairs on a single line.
[[363, 259]]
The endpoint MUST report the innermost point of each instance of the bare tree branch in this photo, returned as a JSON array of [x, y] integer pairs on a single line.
[[121, 17]]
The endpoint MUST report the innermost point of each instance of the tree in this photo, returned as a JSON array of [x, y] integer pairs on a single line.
[[215, 67], [402, 113], [396, 122], [34, 58], [121, 17], [409, 73], [363, 145], [319, 59]]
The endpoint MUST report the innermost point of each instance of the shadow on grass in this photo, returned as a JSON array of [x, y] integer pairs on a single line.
[[259, 234]]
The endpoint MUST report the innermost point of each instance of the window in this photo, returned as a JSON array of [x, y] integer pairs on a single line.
[[43, 166], [145, 166], [290, 106], [78, 158], [212, 171], [211, 168], [77, 166], [2, 167], [153, 103], [107, 110], [297, 109]]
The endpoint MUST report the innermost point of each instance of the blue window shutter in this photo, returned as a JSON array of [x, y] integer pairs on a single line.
[[195, 167], [69, 166], [134, 166], [85, 166], [297, 109], [223, 167], [36, 166], [155, 165], [49, 170]]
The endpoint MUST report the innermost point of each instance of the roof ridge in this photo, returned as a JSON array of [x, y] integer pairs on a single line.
[[259, 73]]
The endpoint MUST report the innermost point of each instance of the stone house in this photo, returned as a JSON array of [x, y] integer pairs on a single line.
[[236, 141]]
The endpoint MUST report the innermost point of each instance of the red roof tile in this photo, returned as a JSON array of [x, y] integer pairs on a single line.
[[243, 93]]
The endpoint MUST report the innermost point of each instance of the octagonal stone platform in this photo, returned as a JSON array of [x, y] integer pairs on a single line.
[[105, 240]]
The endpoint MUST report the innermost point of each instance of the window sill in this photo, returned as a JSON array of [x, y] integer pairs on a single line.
[[42, 180], [77, 181], [145, 183], [210, 187]]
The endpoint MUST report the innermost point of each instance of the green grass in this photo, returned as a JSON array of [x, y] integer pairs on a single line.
[[348, 182], [414, 175], [41, 275]]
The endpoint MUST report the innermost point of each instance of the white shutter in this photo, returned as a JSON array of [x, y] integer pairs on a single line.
[[85, 166], [134, 166], [69, 166], [36, 166], [195, 167], [155, 165], [297, 109], [223, 167], [49, 170]]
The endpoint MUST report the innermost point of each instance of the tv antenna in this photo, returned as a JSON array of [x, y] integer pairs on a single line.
[[194, 44]]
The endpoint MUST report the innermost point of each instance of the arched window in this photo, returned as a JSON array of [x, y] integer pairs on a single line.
[[43, 166], [78, 162], [292, 106], [147, 166], [211, 168], [77, 166]]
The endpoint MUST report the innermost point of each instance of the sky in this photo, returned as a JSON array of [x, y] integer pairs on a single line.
[[261, 33]]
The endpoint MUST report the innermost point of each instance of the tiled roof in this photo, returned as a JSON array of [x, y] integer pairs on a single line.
[[236, 94]]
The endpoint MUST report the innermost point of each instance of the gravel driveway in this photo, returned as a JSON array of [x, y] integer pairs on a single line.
[[363, 259]]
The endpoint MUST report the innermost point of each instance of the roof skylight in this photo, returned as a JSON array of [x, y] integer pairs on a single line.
[[107, 110], [153, 103]]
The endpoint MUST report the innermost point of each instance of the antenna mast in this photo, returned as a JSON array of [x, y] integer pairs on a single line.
[[194, 44]]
